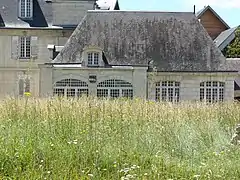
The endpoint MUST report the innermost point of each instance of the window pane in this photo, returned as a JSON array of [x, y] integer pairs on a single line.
[[221, 94], [96, 57], [82, 92], [176, 98], [202, 84], [164, 83], [70, 92], [177, 83], [90, 58], [58, 92], [221, 84], [215, 84], [208, 84], [164, 94], [22, 47], [201, 94], [215, 95], [28, 47], [127, 93], [170, 83], [158, 90], [22, 8], [208, 95], [102, 93], [28, 10], [170, 94], [114, 93]]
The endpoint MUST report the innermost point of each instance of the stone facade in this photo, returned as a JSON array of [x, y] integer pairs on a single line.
[[13, 68]]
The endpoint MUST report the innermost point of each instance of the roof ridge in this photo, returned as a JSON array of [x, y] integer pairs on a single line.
[[133, 11]]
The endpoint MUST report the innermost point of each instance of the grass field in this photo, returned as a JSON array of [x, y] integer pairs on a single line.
[[100, 139]]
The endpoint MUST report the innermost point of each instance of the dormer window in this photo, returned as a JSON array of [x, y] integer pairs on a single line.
[[25, 8], [93, 58]]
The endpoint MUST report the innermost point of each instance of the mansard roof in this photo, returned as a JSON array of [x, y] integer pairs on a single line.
[[46, 14], [172, 41]]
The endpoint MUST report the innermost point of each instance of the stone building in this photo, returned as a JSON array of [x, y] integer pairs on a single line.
[[223, 35], [27, 27], [74, 48], [154, 55]]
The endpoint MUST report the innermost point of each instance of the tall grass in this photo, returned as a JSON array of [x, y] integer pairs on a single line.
[[103, 139]]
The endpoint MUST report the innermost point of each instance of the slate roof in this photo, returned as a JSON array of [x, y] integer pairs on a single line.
[[45, 15], [108, 4], [232, 64], [174, 41], [225, 38], [202, 11], [42, 14]]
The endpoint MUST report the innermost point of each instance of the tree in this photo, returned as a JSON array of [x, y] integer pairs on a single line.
[[233, 49]]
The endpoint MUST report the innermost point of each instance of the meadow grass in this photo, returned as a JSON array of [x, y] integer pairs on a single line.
[[117, 139]]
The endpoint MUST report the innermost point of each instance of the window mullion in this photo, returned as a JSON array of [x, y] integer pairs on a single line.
[[25, 12], [24, 47]]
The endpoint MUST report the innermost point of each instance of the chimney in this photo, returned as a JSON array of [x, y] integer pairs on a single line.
[[194, 9]]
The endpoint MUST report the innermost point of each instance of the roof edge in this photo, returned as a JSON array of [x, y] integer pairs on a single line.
[[215, 13], [134, 11]]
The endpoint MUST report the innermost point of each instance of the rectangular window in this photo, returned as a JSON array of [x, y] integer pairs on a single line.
[[93, 58], [25, 47], [211, 91], [25, 8], [168, 91], [102, 93], [114, 93]]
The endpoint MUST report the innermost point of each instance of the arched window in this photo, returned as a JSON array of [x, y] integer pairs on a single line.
[[212, 91], [115, 88], [168, 91], [24, 86], [70, 88]]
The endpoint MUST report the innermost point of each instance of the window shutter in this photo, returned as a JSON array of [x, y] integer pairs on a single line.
[[15, 47], [34, 47], [31, 8]]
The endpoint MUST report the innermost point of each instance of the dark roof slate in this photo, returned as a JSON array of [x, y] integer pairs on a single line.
[[56, 14], [173, 41], [225, 38], [232, 64], [42, 14]]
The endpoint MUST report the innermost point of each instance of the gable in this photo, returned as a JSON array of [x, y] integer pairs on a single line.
[[172, 41], [212, 24], [201, 13]]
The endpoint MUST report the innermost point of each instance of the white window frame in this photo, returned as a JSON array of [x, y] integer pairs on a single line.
[[93, 58], [25, 47], [111, 86], [26, 9], [67, 86], [170, 88], [212, 91]]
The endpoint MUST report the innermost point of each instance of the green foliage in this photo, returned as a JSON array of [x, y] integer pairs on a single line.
[[122, 139], [233, 49]]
